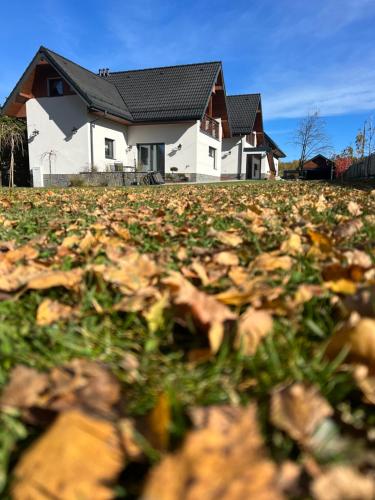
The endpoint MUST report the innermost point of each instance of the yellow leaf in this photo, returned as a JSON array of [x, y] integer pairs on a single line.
[[358, 335], [78, 457], [70, 241], [155, 315], [320, 240], [270, 262], [293, 245], [343, 286], [50, 311], [159, 422]]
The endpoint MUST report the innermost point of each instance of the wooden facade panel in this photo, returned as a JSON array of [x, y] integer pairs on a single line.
[[40, 84]]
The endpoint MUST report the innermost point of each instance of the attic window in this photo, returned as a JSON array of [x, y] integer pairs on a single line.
[[55, 87]]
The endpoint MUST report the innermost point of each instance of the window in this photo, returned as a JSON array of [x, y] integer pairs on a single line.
[[55, 87], [151, 157], [109, 148], [212, 154]]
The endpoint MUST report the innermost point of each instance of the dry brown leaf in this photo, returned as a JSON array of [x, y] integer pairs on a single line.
[[12, 279], [81, 384], [50, 311], [358, 258], [209, 314], [50, 279], [298, 409], [342, 482], [305, 293], [70, 241], [354, 208], [132, 274], [200, 270], [239, 275], [253, 325], [123, 232], [347, 229], [357, 335], [223, 459], [271, 262], [88, 242], [79, 457], [226, 259], [230, 239]]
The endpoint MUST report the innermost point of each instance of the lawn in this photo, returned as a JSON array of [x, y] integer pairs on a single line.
[[211, 341]]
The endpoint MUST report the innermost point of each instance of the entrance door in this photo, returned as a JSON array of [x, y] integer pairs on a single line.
[[151, 157], [249, 166]]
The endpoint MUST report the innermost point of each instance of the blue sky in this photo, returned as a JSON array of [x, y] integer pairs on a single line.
[[301, 55]]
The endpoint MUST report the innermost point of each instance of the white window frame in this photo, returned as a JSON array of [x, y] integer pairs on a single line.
[[113, 157], [214, 155]]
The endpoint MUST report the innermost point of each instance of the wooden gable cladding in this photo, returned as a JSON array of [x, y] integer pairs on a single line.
[[40, 85], [217, 107]]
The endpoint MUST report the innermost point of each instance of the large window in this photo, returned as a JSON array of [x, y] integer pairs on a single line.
[[212, 154], [55, 87], [109, 148]]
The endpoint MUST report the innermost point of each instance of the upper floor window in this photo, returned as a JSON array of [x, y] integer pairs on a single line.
[[55, 87], [109, 148]]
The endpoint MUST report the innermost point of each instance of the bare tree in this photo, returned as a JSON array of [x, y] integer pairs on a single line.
[[12, 136], [311, 137]]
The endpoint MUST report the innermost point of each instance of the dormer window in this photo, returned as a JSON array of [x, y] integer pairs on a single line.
[[55, 87]]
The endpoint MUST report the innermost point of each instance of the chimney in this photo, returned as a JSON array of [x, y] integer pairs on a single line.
[[104, 72]]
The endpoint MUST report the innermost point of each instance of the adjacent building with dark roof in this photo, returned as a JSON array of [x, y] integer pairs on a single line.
[[176, 120]]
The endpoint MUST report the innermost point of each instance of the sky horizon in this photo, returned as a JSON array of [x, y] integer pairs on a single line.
[[300, 57]]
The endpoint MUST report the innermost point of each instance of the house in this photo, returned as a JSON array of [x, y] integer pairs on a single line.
[[318, 167], [176, 120]]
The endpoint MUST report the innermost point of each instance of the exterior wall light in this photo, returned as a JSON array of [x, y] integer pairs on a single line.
[[74, 130], [35, 132], [179, 147]]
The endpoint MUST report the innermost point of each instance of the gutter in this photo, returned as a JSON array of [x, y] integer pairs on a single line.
[[239, 159], [92, 124]]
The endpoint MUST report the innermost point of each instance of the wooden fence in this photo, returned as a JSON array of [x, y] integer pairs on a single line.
[[361, 169]]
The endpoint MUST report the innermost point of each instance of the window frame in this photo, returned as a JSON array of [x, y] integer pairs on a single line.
[[214, 150], [49, 80], [112, 143]]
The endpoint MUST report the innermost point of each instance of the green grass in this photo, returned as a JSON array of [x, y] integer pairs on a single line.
[[293, 352]]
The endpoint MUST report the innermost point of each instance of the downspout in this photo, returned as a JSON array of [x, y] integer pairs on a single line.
[[239, 158]]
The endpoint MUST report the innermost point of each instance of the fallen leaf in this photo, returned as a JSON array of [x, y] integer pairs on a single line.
[[343, 286], [253, 325], [298, 409], [88, 242], [358, 258], [230, 239], [50, 279], [365, 382], [158, 423], [24, 389], [16, 278], [270, 262], [343, 482], [293, 245], [155, 315], [50, 311], [78, 457], [226, 259], [305, 293], [199, 269], [354, 208], [320, 240], [209, 314], [347, 229], [25, 252], [357, 335], [223, 458]]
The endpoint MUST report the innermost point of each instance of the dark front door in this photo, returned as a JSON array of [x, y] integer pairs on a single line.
[[249, 166], [151, 158]]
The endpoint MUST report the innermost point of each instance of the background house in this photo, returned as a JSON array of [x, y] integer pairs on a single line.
[[175, 120]]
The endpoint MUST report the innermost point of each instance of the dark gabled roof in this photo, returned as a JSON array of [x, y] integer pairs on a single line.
[[272, 144], [96, 91], [242, 110], [167, 93]]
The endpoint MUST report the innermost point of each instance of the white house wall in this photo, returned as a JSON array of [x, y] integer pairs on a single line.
[[50, 121], [105, 129], [172, 135], [207, 169]]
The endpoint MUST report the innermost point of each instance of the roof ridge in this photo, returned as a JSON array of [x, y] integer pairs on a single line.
[[241, 95], [164, 67]]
